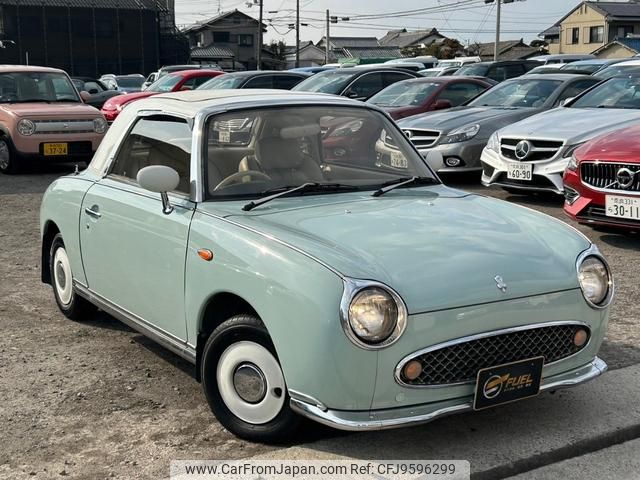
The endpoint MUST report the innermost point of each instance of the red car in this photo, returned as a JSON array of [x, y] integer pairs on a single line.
[[419, 95], [172, 82], [602, 181]]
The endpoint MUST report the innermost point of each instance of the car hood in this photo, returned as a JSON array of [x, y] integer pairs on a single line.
[[437, 247], [51, 110], [129, 97], [571, 124], [447, 120]]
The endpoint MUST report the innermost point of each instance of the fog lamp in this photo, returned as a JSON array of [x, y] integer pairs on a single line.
[[412, 370], [580, 338], [452, 162]]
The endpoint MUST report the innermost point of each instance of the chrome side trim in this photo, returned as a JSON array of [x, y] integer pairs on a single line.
[[479, 336], [303, 397], [593, 251], [167, 340], [417, 414]]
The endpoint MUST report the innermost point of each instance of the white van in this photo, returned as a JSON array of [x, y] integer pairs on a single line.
[[458, 61]]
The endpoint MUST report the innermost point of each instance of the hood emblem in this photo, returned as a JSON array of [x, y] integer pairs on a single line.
[[500, 283], [625, 177], [523, 148]]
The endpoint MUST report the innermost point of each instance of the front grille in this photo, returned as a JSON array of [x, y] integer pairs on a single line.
[[604, 175], [63, 126], [460, 362], [540, 149], [422, 138]]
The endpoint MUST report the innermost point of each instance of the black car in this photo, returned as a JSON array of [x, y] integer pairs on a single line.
[[359, 83], [498, 71], [255, 79], [98, 91]]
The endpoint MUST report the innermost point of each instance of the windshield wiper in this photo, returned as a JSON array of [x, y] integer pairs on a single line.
[[399, 182], [305, 187], [32, 100]]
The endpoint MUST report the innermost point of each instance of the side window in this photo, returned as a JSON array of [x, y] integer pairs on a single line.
[[458, 93], [393, 77], [89, 86], [285, 82], [160, 140], [366, 86], [574, 89], [505, 72], [188, 84], [263, 81], [200, 80]]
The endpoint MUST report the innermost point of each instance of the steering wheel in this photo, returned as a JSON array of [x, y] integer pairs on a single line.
[[236, 177]]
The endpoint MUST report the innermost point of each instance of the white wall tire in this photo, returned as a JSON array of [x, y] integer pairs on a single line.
[[62, 276], [237, 351]]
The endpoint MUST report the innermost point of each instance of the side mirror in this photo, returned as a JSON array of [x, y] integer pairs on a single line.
[[159, 179], [565, 101], [351, 94], [441, 105], [85, 96]]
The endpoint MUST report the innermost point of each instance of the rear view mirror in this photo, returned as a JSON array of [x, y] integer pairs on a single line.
[[441, 105], [159, 179], [566, 100]]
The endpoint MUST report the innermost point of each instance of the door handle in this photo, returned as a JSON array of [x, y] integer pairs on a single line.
[[93, 211]]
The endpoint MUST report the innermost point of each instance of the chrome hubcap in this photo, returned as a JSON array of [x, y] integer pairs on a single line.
[[249, 382]]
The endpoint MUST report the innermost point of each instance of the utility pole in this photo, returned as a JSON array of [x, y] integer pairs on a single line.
[[259, 56], [297, 33], [496, 48], [327, 40]]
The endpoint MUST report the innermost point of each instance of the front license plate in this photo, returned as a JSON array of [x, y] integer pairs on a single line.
[[398, 160], [520, 171], [622, 207], [508, 383], [54, 149]]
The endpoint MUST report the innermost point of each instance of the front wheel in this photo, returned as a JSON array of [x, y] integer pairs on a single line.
[[244, 384], [8, 162]]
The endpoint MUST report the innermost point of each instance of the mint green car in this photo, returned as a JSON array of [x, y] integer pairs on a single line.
[[301, 254]]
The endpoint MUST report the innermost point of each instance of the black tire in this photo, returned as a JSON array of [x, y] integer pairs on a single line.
[[244, 328], [69, 302], [8, 163]]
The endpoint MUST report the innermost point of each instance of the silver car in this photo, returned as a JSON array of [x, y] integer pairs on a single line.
[[533, 153], [461, 133]]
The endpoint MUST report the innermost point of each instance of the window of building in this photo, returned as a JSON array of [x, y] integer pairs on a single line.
[[623, 30], [221, 37], [574, 35], [245, 40], [596, 34]]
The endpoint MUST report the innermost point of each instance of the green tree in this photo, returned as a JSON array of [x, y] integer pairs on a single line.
[[278, 49]]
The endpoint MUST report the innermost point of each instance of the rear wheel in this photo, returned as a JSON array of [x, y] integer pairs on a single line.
[[243, 381], [8, 162]]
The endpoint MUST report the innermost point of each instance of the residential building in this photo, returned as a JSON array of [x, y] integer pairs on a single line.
[[310, 55], [507, 50], [620, 48], [404, 38], [359, 50], [591, 25], [90, 38], [229, 39]]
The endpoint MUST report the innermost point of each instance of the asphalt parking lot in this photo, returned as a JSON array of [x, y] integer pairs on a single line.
[[96, 400]]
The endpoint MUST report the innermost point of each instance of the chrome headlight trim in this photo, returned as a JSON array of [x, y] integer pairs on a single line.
[[352, 287], [26, 127], [593, 251]]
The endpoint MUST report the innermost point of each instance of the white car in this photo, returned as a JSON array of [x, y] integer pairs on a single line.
[[532, 154]]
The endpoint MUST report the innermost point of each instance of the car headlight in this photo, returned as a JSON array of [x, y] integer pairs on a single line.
[[99, 125], [26, 127], [595, 280], [461, 134], [373, 316], [568, 152], [573, 164], [493, 143]]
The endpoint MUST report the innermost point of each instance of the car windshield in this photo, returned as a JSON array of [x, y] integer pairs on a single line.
[[614, 93], [165, 84], [16, 87], [517, 93], [581, 67], [403, 94], [430, 72], [615, 70], [130, 82], [325, 82], [473, 69], [251, 153], [223, 82], [449, 63]]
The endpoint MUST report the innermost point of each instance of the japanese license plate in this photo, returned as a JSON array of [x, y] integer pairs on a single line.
[[398, 160], [508, 383], [622, 207], [54, 149], [520, 171]]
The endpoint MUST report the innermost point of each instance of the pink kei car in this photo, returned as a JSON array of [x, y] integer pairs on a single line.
[[42, 116]]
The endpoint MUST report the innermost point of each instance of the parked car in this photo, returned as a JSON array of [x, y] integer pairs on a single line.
[[354, 82], [461, 133], [172, 82], [404, 65], [602, 181], [96, 92], [123, 83], [498, 71], [438, 71], [311, 70], [426, 61], [531, 155], [551, 68], [153, 76], [302, 287], [419, 95], [43, 117], [562, 58], [280, 80], [457, 61], [590, 66], [628, 67]]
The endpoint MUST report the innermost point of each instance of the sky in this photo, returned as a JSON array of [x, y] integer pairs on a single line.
[[467, 20]]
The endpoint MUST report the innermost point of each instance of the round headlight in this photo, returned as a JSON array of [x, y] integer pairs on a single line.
[[375, 316], [99, 125], [26, 127], [595, 280]]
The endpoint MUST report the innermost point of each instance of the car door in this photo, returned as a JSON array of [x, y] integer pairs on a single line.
[[133, 253], [364, 86]]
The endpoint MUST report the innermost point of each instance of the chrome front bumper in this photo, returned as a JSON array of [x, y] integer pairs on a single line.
[[416, 414]]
